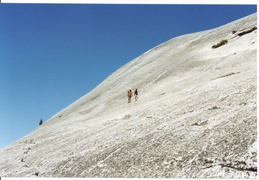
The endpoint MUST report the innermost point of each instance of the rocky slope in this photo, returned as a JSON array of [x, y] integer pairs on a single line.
[[195, 117]]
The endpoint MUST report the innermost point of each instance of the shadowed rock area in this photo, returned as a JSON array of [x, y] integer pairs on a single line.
[[195, 118]]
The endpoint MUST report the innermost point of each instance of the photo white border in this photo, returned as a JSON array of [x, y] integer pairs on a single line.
[[135, 1]]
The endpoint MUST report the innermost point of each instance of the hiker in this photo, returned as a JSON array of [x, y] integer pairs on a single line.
[[136, 94], [129, 95]]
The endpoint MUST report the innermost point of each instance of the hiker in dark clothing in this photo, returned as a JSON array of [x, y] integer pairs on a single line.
[[136, 94], [129, 95]]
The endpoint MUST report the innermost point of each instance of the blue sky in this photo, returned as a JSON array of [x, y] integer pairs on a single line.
[[53, 54]]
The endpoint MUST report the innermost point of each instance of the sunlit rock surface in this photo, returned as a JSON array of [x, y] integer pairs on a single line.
[[195, 117]]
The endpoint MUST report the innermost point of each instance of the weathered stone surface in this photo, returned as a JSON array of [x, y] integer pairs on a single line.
[[195, 117]]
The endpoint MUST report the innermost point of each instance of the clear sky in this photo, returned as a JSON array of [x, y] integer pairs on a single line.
[[53, 54]]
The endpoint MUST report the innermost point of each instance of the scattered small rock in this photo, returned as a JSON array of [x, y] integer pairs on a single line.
[[127, 116], [242, 103], [26, 152], [195, 124], [200, 124], [214, 107], [155, 145]]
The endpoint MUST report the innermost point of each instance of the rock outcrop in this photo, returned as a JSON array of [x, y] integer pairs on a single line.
[[195, 117]]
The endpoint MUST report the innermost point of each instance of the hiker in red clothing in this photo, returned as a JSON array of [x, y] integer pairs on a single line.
[[136, 94]]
